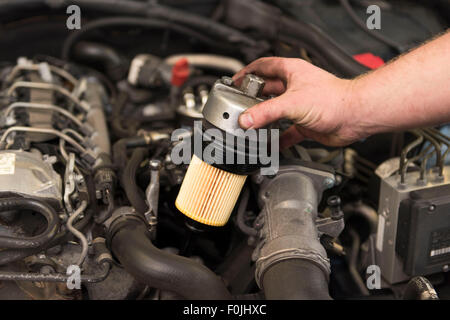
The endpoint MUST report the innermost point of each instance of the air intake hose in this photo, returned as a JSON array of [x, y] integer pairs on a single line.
[[291, 263], [130, 243]]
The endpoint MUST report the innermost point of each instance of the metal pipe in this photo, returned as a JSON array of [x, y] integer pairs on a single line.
[[78, 234], [405, 152], [42, 106], [48, 86]]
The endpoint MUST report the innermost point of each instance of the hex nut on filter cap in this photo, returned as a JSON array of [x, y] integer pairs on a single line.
[[252, 85]]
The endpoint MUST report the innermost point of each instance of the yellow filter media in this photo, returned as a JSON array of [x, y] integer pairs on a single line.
[[208, 194]]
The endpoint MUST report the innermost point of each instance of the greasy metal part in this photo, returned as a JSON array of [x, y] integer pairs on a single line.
[[288, 219], [152, 195], [392, 193], [36, 67], [190, 108], [84, 242], [333, 225], [83, 105], [352, 260], [203, 92], [423, 165], [442, 139], [420, 288], [55, 277], [189, 98], [208, 61], [153, 136], [69, 182], [30, 105], [85, 153], [406, 150], [433, 138], [437, 147], [226, 103], [95, 117], [28, 175]]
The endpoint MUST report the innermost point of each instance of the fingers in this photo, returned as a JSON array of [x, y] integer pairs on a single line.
[[290, 137], [264, 113], [273, 87], [272, 67]]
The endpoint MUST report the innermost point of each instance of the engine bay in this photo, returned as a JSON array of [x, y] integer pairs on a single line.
[[100, 200]]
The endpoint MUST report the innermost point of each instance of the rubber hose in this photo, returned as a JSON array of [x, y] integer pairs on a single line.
[[332, 52], [134, 194], [140, 22], [11, 255], [295, 279], [120, 149], [150, 10], [131, 245], [420, 288], [91, 52], [37, 206]]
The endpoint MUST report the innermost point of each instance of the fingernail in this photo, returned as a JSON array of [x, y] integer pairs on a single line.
[[245, 120]]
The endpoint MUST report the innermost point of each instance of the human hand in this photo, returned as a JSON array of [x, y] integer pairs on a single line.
[[319, 104]]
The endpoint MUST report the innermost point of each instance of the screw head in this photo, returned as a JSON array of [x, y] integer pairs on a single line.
[[446, 268], [227, 81], [334, 201], [431, 208], [155, 164], [328, 183]]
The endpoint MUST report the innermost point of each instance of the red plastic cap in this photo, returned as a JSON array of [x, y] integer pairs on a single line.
[[369, 60], [180, 72]]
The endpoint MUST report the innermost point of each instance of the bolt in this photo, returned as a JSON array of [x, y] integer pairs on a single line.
[[328, 183], [334, 202], [446, 268], [431, 208], [257, 178], [252, 85], [227, 81], [47, 269], [154, 164]]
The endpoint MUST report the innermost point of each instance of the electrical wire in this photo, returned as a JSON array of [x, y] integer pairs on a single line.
[[136, 22]]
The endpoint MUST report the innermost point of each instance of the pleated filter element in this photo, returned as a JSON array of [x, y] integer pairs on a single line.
[[208, 194]]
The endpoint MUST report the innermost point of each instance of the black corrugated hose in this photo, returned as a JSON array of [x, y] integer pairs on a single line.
[[7, 242], [130, 243]]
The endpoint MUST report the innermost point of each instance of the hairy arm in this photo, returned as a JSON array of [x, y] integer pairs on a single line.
[[411, 91]]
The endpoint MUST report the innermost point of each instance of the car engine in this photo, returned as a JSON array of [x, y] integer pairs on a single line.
[[101, 200]]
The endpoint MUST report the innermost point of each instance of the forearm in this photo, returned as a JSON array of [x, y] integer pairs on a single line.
[[413, 91]]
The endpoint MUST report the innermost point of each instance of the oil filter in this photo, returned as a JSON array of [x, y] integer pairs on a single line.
[[211, 188]]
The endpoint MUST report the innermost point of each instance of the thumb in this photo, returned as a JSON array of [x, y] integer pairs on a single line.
[[264, 113]]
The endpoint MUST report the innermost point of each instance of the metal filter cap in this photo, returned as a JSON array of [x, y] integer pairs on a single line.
[[226, 102]]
